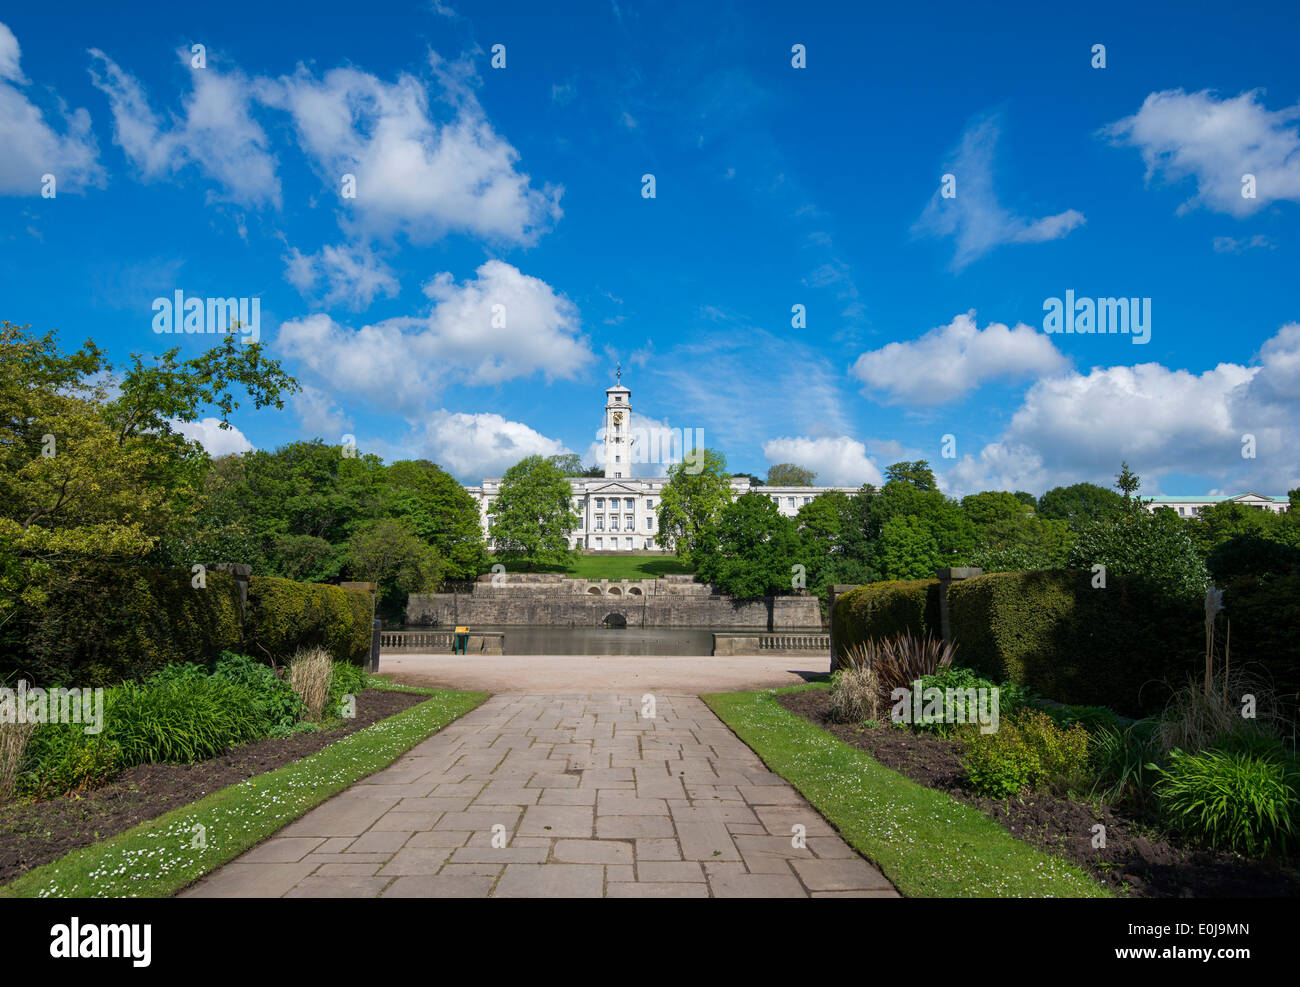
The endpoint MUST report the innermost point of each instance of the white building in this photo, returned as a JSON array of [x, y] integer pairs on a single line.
[[619, 511], [1191, 506]]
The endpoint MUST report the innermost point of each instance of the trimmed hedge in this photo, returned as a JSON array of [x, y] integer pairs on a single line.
[[284, 615], [1052, 632], [1265, 620], [102, 625], [880, 610]]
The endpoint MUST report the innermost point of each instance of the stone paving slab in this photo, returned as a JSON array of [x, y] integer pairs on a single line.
[[561, 796]]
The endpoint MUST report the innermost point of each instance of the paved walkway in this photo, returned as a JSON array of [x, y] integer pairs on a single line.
[[589, 798]]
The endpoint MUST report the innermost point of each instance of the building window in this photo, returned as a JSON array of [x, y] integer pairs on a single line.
[[598, 543], [600, 524], [650, 524], [631, 522], [613, 522], [618, 459], [600, 503], [631, 503], [627, 542], [789, 502], [807, 500], [649, 502], [618, 476]]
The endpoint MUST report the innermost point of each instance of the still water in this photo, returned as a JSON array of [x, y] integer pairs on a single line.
[[533, 640]]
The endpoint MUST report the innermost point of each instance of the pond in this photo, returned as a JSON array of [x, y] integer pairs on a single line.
[[541, 640]]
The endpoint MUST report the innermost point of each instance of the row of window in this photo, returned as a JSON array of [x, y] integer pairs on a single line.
[[629, 523], [789, 501], [613, 503], [612, 543]]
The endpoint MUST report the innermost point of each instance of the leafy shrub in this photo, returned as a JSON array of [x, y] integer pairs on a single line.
[[884, 610], [279, 706], [1233, 801], [346, 679], [1052, 632], [63, 758], [999, 765], [1028, 751], [855, 695], [961, 681], [900, 660], [180, 721]]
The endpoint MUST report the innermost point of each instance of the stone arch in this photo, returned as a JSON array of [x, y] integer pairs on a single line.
[[593, 591], [615, 591], [634, 591], [615, 619]]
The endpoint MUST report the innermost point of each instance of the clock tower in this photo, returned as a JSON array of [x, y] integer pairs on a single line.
[[618, 430]]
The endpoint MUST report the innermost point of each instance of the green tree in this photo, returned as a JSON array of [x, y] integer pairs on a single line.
[[918, 474], [531, 518], [790, 475], [1078, 503], [441, 513], [1126, 481], [691, 502], [390, 553], [92, 468], [1150, 545], [753, 549], [569, 463]]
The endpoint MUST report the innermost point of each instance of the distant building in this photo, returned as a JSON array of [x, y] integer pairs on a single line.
[[619, 512], [1191, 506]]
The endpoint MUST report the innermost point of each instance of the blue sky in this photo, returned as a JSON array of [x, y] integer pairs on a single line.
[[775, 186]]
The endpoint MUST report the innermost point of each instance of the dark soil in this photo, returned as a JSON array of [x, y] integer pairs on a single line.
[[37, 832], [1138, 860]]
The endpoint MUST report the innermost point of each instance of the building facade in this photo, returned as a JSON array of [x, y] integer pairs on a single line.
[[1191, 506], [619, 511]]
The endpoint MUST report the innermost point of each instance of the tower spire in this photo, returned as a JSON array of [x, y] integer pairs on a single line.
[[618, 375]]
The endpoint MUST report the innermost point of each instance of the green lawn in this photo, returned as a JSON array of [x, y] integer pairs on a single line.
[[625, 566], [157, 858], [927, 843]]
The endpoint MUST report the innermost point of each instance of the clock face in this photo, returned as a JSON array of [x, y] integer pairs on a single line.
[[618, 418]]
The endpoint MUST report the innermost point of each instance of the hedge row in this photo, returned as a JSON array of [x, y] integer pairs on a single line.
[[101, 626], [285, 615], [1264, 616], [885, 609], [1121, 646]]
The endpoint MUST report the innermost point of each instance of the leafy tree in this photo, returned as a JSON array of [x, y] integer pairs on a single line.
[[1126, 481], [1078, 503], [1150, 545], [789, 475], [569, 463], [531, 518], [1028, 499], [92, 467], [440, 512], [918, 474], [390, 553], [753, 547], [692, 502]]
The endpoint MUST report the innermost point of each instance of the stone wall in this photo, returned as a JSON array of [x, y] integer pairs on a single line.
[[558, 601]]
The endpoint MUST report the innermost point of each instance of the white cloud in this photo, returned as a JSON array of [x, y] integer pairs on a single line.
[[1232, 245], [414, 173], [208, 433], [354, 275], [1215, 142], [216, 131], [949, 361], [32, 148], [403, 362], [974, 217], [319, 415], [473, 446], [838, 462], [1080, 426]]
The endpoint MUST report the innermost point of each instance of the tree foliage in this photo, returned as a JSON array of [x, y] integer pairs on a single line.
[[691, 503], [532, 516]]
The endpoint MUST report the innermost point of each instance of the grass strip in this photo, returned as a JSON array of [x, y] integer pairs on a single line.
[[158, 858], [927, 843]]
